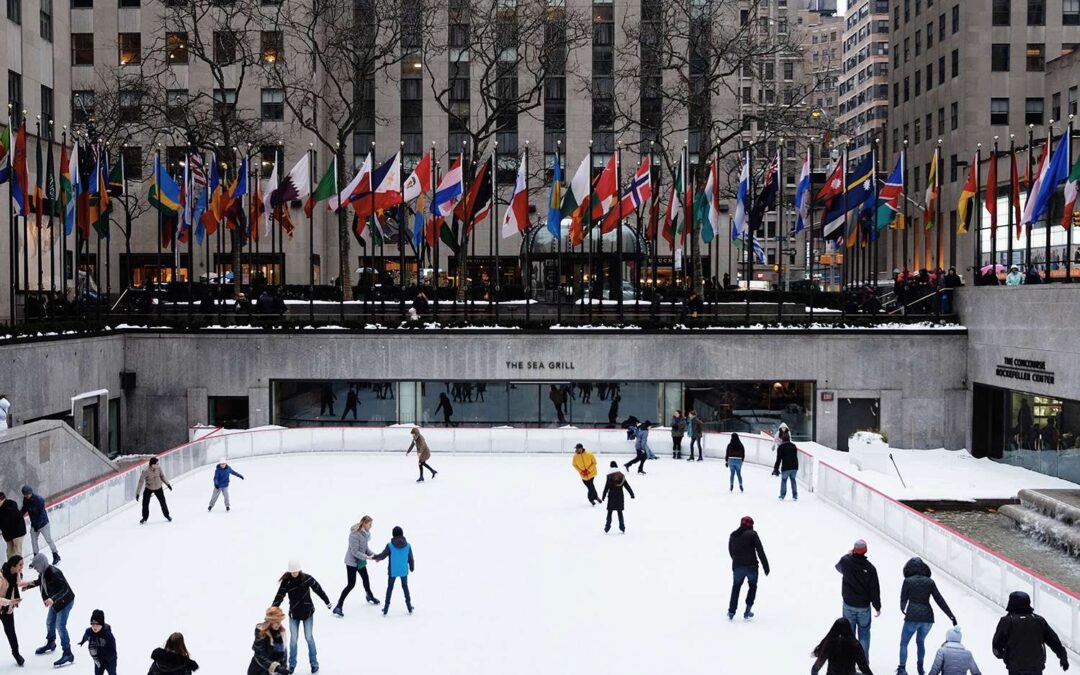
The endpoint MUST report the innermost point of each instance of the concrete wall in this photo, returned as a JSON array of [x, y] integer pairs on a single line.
[[49, 456]]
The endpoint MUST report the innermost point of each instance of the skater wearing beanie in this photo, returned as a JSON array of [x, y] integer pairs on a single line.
[[678, 430], [173, 659], [401, 564], [423, 453], [10, 597], [641, 447], [585, 463], [356, 558], [860, 590], [787, 467], [696, 429], [841, 650], [953, 658], [613, 494], [102, 644], [915, 596], [745, 548], [12, 525], [298, 586], [222, 474], [1021, 635], [153, 478], [33, 507], [59, 598], [733, 459], [269, 646]]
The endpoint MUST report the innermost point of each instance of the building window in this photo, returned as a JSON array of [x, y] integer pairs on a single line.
[[954, 116], [896, 94], [176, 104], [954, 166], [918, 42], [918, 82], [130, 3], [918, 132], [14, 11], [224, 103], [15, 95], [82, 106], [82, 49], [955, 19], [999, 112], [224, 47], [176, 46], [956, 63], [1036, 57], [272, 46], [273, 104], [789, 68], [1055, 106], [1036, 13], [941, 28], [999, 58], [1002, 14], [46, 20], [133, 162], [929, 126], [929, 76], [268, 155], [82, 4], [1033, 111], [130, 105], [1073, 93], [130, 45], [941, 70], [1070, 12], [46, 105]]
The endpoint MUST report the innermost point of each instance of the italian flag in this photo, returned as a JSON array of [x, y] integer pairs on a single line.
[[577, 193], [326, 189], [1072, 188]]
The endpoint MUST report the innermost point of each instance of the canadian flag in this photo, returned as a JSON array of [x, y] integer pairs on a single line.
[[516, 218]]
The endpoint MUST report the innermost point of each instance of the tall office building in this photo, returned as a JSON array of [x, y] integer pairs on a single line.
[[864, 86]]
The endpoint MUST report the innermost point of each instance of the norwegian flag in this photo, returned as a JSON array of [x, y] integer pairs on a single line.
[[637, 193]]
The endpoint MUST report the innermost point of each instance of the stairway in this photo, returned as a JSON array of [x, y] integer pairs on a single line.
[[1052, 516]]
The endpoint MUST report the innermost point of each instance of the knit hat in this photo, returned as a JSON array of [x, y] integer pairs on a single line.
[[859, 547], [747, 521], [398, 532], [97, 616], [294, 566], [222, 461], [27, 490], [953, 635], [274, 615], [579, 446], [614, 464]]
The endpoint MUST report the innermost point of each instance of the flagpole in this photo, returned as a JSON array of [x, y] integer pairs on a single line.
[[438, 234], [527, 279], [77, 231], [845, 265], [618, 232], [810, 225], [39, 207], [780, 231], [1030, 182], [655, 304], [493, 237], [370, 250], [311, 236], [403, 278], [590, 287], [1013, 199], [558, 243], [60, 234], [978, 211], [254, 232], [1049, 146], [993, 221], [190, 191], [108, 246], [748, 232], [1068, 230], [938, 225]]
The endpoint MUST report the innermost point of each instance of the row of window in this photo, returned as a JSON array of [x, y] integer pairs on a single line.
[[1001, 14], [955, 63], [16, 101], [129, 47], [45, 17], [1034, 109], [954, 124]]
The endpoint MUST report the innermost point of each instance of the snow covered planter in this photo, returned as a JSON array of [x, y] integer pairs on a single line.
[[870, 451]]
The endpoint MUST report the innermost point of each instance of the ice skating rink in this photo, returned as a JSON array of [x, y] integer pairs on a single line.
[[514, 574]]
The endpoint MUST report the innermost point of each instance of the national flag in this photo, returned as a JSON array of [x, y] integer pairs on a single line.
[[361, 181], [164, 192], [258, 225], [418, 222], [933, 192], [516, 218], [326, 189], [889, 196], [742, 201], [387, 179], [198, 171], [477, 204], [604, 194], [419, 181], [1035, 187], [432, 228], [100, 204], [577, 193], [759, 251], [449, 189], [967, 193], [20, 181], [802, 195], [186, 199], [834, 186], [1072, 188], [69, 182], [676, 205], [1056, 171], [554, 215], [295, 185], [861, 198], [858, 196], [1014, 197], [766, 198], [449, 233], [39, 185], [5, 155], [269, 212], [654, 218], [235, 219], [51, 205], [711, 214], [990, 200], [637, 193], [215, 206]]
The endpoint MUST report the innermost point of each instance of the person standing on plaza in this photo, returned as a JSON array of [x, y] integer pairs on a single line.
[[5, 412], [953, 658], [174, 658], [57, 595], [33, 507], [298, 585], [787, 467], [399, 550], [269, 647], [641, 437], [585, 464], [447, 409], [102, 644], [733, 460], [356, 558], [696, 430], [153, 478], [12, 525], [782, 435], [915, 594], [841, 650], [351, 402], [423, 453], [222, 474], [613, 495], [1022, 636], [678, 430], [10, 597], [746, 551], [860, 591]]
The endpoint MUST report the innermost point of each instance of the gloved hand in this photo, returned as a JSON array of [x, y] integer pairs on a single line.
[[170, 487], [953, 620], [1064, 664], [775, 472], [725, 464]]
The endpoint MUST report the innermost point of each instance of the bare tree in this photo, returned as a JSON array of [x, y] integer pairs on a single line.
[[499, 54]]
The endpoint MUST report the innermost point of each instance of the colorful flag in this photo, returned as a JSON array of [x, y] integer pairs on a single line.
[[39, 185], [449, 189], [604, 194], [766, 198], [20, 181], [360, 182], [711, 216], [742, 201], [802, 195], [933, 192], [419, 182], [1072, 188], [164, 192], [100, 205], [269, 212], [576, 196], [516, 218], [326, 189], [1034, 188], [834, 186], [215, 207], [990, 201], [69, 182], [967, 193], [388, 184], [1054, 173], [889, 196], [5, 155], [477, 204], [654, 218], [418, 221], [676, 205], [637, 193], [554, 216], [186, 199], [295, 185]]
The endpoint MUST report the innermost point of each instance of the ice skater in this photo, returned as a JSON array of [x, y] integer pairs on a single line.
[[787, 467], [678, 430], [696, 429], [33, 507], [10, 597], [585, 463], [733, 460], [153, 478], [423, 453], [173, 659], [298, 585], [57, 595], [356, 559], [102, 644], [613, 495], [841, 650], [269, 647], [1021, 635], [447, 409], [351, 402], [399, 550], [12, 525], [953, 658], [746, 551], [915, 594], [643, 435], [782, 435], [641, 445], [222, 474], [860, 591]]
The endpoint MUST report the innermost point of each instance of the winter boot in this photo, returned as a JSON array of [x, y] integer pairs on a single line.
[[142, 521], [748, 614], [338, 612], [19, 660], [168, 518], [373, 600], [433, 474], [730, 616], [46, 648], [420, 479], [55, 558], [901, 670], [65, 659]]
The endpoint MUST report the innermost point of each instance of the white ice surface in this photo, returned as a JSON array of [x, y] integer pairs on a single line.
[[514, 574]]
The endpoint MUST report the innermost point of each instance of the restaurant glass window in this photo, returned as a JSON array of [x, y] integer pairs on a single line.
[[749, 407], [334, 403]]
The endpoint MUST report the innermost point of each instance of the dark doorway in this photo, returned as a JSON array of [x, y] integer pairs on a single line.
[[230, 412], [856, 414]]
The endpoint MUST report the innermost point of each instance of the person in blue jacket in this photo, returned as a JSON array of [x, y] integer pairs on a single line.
[[401, 563], [33, 506], [222, 473], [102, 644]]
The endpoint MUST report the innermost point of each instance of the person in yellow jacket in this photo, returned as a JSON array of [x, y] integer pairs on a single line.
[[585, 463]]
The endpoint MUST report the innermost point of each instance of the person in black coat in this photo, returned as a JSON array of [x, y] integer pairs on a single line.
[[102, 644], [298, 586], [57, 595], [613, 494], [745, 548], [12, 525], [174, 658], [269, 646], [1022, 636], [841, 650], [10, 598], [915, 594], [733, 459], [787, 467], [860, 590], [351, 401]]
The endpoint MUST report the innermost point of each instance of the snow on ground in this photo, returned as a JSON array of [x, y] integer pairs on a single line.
[[941, 474], [513, 571]]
